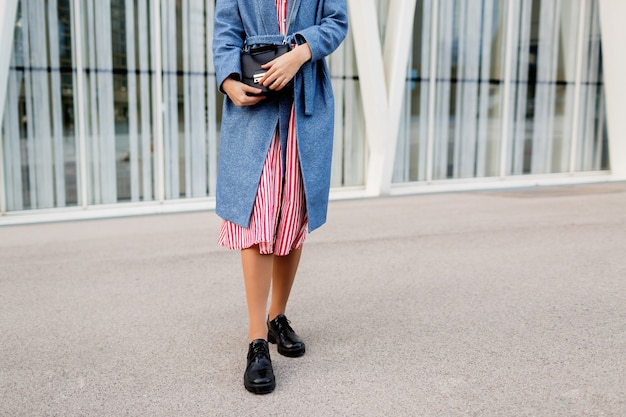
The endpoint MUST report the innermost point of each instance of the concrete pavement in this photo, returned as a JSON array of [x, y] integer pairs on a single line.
[[500, 303]]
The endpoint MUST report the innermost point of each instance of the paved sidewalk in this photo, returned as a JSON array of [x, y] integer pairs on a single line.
[[500, 303]]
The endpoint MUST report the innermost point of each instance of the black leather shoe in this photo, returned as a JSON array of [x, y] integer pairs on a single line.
[[279, 331], [259, 375]]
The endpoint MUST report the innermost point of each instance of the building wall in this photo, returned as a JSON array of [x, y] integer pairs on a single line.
[[111, 106]]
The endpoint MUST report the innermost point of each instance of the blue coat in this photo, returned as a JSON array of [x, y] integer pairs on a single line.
[[246, 132]]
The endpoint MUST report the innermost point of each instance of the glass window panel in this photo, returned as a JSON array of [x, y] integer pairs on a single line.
[[117, 80], [100, 125], [543, 86], [467, 111], [38, 122], [591, 151], [349, 153], [544, 89], [412, 144], [189, 96]]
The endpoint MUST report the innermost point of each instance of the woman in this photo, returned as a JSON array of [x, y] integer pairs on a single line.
[[275, 157]]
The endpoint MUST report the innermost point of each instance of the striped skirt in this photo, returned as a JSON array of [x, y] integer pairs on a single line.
[[278, 223]]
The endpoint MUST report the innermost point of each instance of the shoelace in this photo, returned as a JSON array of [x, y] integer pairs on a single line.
[[259, 348], [284, 324]]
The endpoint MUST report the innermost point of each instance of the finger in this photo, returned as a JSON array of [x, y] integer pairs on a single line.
[[249, 100], [269, 81], [268, 65], [280, 83], [257, 99], [274, 78], [252, 90], [252, 100], [277, 85], [269, 77]]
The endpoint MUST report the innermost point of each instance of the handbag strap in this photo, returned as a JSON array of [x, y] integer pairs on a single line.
[[293, 7]]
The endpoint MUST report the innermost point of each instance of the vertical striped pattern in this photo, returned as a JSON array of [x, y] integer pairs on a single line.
[[281, 12], [278, 223]]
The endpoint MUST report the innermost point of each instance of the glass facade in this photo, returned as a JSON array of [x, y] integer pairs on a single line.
[[505, 85], [543, 84], [39, 140], [112, 101]]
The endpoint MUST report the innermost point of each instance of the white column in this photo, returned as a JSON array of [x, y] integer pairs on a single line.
[[369, 58], [398, 40], [382, 82], [157, 101], [613, 31]]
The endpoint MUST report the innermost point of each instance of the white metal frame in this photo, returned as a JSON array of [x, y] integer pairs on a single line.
[[3, 198], [577, 87], [79, 104], [8, 10], [508, 73], [432, 92], [158, 105]]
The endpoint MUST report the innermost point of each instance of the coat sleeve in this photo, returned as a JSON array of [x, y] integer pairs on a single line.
[[325, 37], [228, 39]]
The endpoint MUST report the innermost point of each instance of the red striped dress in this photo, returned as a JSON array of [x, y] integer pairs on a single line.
[[279, 221]]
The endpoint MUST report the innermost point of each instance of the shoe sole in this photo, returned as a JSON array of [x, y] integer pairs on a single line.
[[292, 353], [260, 389], [288, 353]]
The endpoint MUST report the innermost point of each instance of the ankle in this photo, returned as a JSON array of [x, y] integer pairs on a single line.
[[257, 334], [274, 313]]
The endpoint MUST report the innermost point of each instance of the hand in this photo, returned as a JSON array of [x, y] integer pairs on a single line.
[[238, 93], [282, 69]]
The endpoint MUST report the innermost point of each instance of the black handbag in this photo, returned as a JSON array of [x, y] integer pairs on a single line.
[[251, 71], [252, 57]]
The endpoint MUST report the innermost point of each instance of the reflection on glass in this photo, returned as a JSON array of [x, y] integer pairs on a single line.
[[118, 124], [468, 103], [469, 91], [544, 87], [411, 150], [349, 152], [132, 77], [100, 114], [38, 123], [591, 144], [190, 152]]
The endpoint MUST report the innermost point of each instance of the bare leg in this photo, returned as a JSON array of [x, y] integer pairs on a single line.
[[284, 273], [257, 276]]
